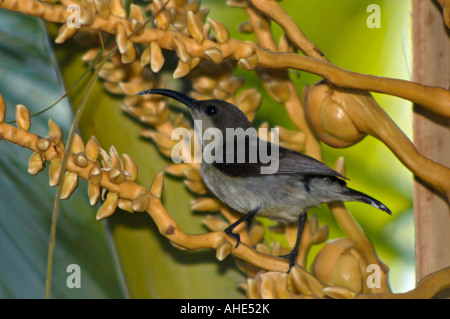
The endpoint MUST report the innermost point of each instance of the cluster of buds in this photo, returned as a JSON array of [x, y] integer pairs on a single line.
[[109, 176]]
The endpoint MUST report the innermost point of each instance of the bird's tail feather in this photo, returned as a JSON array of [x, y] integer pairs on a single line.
[[361, 197]]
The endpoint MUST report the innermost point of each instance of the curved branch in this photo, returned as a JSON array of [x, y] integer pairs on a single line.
[[433, 98]]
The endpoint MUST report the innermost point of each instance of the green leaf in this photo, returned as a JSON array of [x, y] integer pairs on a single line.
[[29, 76]]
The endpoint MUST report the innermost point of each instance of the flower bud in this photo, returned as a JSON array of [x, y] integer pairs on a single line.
[[326, 114], [339, 263]]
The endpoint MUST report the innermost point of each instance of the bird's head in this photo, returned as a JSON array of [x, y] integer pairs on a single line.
[[213, 113]]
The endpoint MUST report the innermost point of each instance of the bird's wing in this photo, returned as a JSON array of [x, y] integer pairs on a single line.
[[289, 162]]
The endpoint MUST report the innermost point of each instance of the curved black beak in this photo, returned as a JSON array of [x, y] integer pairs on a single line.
[[183, 98]]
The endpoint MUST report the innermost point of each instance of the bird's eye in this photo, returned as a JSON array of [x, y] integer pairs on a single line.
[[211, 110]]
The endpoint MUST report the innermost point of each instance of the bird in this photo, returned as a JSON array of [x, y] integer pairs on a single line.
[[285, 195]]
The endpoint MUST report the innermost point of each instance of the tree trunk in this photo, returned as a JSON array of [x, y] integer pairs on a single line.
[[431, 134]]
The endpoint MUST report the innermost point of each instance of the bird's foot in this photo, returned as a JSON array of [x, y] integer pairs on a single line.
[[291, 257], [230, 233]]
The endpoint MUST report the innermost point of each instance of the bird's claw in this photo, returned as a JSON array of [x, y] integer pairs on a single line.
[[235, 236], [291, 257]]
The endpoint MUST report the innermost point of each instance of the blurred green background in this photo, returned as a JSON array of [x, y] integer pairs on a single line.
[[125, 256]]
